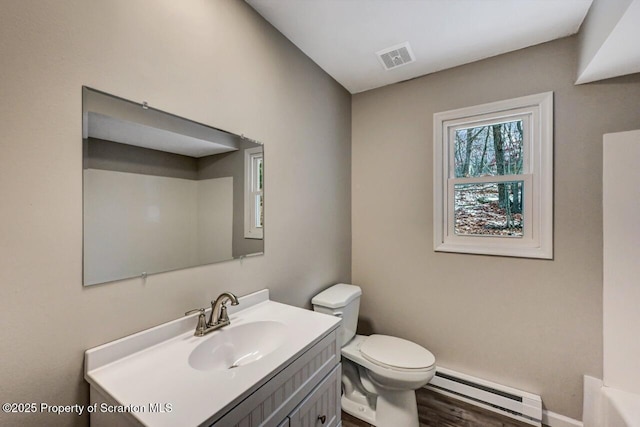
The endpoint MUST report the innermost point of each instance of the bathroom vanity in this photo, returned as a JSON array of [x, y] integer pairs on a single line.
[[274, 365]]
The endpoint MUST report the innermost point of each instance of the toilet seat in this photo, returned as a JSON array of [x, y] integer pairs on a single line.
[[388, 377], [396, 353]]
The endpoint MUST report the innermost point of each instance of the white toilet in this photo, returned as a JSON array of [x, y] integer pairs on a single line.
[[379, 373]]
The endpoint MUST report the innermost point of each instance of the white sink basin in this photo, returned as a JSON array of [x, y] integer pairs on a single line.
[[236, 346]]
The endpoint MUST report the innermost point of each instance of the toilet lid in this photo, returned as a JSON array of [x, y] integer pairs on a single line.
[[395, 352]]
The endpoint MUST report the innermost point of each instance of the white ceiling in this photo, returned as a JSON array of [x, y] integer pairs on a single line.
[[342, 36]]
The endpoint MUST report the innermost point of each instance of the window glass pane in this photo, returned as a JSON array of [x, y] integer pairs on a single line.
[[260, 174], [256, 173], [259, 211], [489, 209], [489, 150]]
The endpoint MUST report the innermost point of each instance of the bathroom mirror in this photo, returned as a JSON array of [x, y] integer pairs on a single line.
[[161, 192]]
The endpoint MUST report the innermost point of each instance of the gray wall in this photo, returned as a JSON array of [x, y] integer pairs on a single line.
[[531, 324], [216, 62]]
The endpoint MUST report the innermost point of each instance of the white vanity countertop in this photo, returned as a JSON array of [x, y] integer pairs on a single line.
[[152, 366]]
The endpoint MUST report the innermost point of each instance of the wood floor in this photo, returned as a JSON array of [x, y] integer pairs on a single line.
[[437, 410]]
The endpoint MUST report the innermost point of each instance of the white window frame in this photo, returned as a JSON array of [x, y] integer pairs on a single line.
[[251, 155], [536, 111]]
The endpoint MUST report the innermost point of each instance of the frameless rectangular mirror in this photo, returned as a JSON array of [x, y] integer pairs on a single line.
[[161, 192]]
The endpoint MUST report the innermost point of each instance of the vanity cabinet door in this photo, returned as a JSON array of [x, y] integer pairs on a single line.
[[322, 407]]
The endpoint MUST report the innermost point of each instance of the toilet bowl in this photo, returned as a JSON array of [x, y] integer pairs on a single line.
[[380, 373]]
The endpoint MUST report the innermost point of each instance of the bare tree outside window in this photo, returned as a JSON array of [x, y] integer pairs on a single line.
[[489, 208]]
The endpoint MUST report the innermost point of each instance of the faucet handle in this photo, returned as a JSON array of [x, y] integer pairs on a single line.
[[202, 321], [224, 317], [195, 310]]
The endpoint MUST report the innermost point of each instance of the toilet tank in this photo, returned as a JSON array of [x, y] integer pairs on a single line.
[[340, 300]]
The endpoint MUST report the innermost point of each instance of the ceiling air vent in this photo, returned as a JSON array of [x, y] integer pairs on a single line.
[[396, 56]]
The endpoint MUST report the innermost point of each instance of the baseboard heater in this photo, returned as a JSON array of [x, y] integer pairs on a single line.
[[513, 403]]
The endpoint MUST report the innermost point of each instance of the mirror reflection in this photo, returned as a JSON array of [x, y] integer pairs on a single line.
[[161, 192]]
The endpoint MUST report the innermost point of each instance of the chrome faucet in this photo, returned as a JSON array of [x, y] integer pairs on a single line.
[[218, 317]]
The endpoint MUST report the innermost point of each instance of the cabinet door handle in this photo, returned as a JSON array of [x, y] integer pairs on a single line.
[[322, 418]]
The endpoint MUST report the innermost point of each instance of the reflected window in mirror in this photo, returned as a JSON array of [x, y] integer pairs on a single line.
[[254, 201]]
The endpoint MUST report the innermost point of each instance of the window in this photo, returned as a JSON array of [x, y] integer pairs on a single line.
[[493, 178], [253, 193]]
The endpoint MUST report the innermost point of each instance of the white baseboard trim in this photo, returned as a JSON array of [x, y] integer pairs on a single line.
[[552, 419]]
